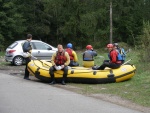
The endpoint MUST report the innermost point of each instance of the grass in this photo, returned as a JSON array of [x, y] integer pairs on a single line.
[[2, 53], [136, 89]]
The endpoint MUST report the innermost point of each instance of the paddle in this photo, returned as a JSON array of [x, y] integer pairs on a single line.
[[38, 60], [126, 62]]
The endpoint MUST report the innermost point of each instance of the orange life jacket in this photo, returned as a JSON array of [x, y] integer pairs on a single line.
[[70, 53], [60, 58]]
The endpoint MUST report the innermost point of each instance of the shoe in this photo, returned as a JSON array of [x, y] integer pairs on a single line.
[[27, 78], [53, 82], [63, 82]]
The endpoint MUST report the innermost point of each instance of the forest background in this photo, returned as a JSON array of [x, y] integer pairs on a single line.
[[79, 22]]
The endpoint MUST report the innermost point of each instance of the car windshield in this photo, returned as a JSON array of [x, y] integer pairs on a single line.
[[13, 45]]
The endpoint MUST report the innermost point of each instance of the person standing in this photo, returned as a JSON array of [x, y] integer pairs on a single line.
[[73, 55], [88, 56], [60, 61], [113, 63], [27, 49]]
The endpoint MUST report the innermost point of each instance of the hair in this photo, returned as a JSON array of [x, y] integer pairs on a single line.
[[29, 36], [60, 45]]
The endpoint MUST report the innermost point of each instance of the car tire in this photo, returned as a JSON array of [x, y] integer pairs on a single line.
[[18, 60]]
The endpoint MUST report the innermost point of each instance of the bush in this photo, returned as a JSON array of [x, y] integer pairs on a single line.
[[145, 43]]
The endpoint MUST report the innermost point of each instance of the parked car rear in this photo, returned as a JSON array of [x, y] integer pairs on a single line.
[[40, 50]]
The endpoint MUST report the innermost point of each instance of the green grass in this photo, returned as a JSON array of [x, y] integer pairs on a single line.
[[2, 53], [2, 61], [137, 89]]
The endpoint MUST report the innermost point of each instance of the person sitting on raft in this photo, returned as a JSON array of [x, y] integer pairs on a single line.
[[73, 55], [88, 56], [60, 61], [113, 63], [121, 52]]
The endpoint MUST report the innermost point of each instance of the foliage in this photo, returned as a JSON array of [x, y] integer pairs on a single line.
[[11, 24], [80, 22], [145, 43]]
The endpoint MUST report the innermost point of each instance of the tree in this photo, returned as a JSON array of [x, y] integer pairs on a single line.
[[11, 24]]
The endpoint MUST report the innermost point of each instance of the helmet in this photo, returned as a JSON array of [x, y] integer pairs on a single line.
[[89, 47], [69, 45], [110, 46], [116, 44]]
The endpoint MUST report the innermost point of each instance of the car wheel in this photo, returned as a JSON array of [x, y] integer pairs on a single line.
[[18, 60]]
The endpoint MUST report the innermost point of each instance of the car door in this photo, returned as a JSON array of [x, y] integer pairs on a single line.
[[42, 50]]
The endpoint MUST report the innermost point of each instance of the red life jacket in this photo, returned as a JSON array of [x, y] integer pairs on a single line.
[[113, 54], [60, 58], [70, 53]]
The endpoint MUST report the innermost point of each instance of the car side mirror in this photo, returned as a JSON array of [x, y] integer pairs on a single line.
[[49, 48]]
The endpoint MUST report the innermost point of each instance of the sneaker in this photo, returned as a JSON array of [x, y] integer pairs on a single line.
[[63, 82], [27, 78], [53, 82]]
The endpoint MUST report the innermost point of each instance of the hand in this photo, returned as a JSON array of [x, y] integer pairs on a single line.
[[62, 66], [30, 51], [58, 67]]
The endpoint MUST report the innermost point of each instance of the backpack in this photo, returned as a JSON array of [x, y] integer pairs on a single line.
[[26, 46], [121, 54]]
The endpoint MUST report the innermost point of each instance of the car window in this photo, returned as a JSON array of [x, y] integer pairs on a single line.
[[13, 45], [40, 46]]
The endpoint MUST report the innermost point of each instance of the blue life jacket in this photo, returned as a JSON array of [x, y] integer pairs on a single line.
[[121, 54]]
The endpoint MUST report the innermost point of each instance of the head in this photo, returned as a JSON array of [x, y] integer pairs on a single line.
[[116, 45], [69, 45], [29, 37], [60, 48], [110, 47], [89, 47]]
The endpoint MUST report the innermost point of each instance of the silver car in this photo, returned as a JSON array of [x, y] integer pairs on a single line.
[[40, 50]]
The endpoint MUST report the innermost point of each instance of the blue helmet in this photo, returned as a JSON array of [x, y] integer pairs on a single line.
[[69, 45]]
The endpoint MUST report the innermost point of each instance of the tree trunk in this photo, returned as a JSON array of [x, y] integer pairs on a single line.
[[110, 21]]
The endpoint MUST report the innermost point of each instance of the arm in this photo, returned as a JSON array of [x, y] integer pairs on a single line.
[[94, 53], [53, 59], [68, 59], [75, 56], [123, 51]]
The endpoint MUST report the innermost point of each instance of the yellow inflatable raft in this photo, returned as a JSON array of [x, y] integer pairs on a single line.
[[40, 69]]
